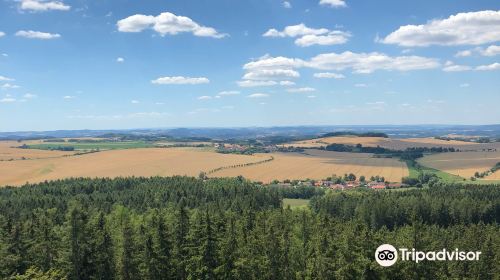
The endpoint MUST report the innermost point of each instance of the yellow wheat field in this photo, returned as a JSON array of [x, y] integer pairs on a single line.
[[8, 151], [114, 163], [394, 144], [318, 164], [463, 164]]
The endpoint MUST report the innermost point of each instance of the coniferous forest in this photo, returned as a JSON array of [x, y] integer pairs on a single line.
[[189, 228]]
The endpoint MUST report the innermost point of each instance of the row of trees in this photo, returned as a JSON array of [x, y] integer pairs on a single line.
[[187, 228]]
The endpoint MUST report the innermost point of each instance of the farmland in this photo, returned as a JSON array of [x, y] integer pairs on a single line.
[[8, 151], [114, 163], [463, 164], [394, 144], [316, 164]]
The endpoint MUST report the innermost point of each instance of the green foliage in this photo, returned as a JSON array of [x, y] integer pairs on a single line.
[[189, 228]]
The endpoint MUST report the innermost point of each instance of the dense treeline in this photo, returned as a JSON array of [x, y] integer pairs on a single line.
[[407, 154], [188, 228]]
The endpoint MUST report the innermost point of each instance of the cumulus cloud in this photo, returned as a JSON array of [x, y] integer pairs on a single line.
[[2, 34], [328, 75], [68, 97], [37, 35], [7, 100], [266, 68], [9, 86], [3, 78], [258, 95], [287, 4], [310, 36], [472, 28], [42, 6], [490, 67], [301, 90], [179, 80], [166, 24], [490, 51], [29, 96], [464, 85], [120, 59], [369, 62], [333, 3], [463, 53], [204, 97], [134, 102]]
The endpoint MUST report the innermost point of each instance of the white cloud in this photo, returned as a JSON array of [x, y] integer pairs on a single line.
[[5, 55], [472, 28], [456, 68], [7, 100], [228, 93], [329, 75], [9, 86], [250, 83], [311, 96], [464, 85], [134, 102], [310, 36], [42, 5], [3, 78], [258, 95], [120, 59], [333, 3], [463, 53], [271, 74], [2, 34], [287, 4], [179, 80], [491, 51], [490, 67], [301, 90], [68, 97], [159, 103], [166, 24], [287, 83], [204, 97], [37, 35], [29, 96], [369, 62]]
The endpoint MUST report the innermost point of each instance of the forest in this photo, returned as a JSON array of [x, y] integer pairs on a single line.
[[231, 228]]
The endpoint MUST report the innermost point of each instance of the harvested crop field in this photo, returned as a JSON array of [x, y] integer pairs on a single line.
[[114, 163], [9, 152], [394, 144], [317, 164], [463, 164]]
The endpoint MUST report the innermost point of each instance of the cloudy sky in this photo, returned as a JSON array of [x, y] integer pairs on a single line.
[[78, 64]]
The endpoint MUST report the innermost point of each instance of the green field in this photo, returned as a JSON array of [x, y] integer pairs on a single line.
[[415, 168], [93, 146], [295, 203]]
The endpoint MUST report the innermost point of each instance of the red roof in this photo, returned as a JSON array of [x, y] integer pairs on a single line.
[[378, 187]]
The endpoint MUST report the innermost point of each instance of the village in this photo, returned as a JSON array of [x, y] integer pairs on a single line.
[[376, 183]]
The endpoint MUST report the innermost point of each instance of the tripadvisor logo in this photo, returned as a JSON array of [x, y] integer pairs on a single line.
[[387, 255]]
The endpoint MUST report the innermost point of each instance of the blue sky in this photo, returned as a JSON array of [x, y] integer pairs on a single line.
[[143, 64]]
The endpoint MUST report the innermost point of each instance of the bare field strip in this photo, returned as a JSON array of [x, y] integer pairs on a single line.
[[8, 151], [318, 164], [463, 164], [395, 144], [131, 162]]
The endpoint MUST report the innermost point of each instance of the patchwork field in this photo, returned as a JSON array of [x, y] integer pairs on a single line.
[[463, 164], [9, 152], [395, 144], [318, 164], [114, 163]]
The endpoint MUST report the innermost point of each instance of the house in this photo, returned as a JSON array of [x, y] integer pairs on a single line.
[[378, 187], [337, 187]]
